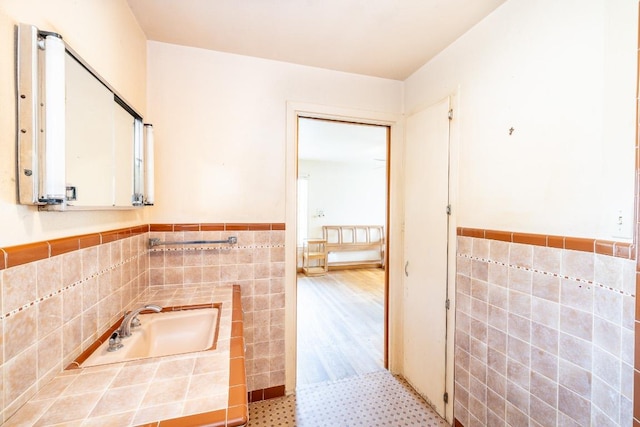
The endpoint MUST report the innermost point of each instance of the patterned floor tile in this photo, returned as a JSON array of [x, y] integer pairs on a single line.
[[369, 400]]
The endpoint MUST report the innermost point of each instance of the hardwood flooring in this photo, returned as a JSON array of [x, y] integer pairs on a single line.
[[340, 325]]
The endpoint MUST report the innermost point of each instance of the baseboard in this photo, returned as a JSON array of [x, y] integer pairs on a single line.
[[266, 393]]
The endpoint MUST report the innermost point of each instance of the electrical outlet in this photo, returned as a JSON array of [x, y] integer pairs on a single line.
[[621, 225], [619, 222]]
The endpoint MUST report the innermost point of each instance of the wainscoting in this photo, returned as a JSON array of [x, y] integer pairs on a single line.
[[544, 331]]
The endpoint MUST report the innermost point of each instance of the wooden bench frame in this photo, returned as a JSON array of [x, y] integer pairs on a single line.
[[343, 238]]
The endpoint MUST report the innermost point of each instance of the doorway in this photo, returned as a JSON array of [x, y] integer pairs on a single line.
[[342, 188]]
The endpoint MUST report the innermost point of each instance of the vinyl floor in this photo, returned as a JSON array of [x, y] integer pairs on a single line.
[[368, 400]]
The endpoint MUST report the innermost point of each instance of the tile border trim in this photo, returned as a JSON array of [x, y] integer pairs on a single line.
[[546, 273], [254, 226], [603, 247], [22, 254], [12, 256], [36, 251], [70, 286]]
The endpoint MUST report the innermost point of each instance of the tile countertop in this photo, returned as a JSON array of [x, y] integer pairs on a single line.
[[206, 388]]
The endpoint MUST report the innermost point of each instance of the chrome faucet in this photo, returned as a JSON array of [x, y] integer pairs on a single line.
[[115, 343], [131, 318]]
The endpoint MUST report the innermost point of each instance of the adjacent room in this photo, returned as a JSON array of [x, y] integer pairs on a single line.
[[342, 205]]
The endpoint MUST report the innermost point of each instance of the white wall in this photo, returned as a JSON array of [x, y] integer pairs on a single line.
[[225, 129], [348, 193], [220, 127], [563, 75], [106, 35]]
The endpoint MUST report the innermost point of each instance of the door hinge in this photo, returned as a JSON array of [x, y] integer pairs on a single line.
[[450, 115], [447, 304], [445, 397], [448, 209]]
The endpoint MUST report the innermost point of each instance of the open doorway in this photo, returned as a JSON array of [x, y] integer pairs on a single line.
[[342, 218]]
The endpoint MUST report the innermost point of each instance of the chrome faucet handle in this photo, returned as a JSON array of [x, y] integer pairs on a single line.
[[115, 342]]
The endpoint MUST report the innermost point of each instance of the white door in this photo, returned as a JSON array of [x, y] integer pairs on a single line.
[[425, 236]]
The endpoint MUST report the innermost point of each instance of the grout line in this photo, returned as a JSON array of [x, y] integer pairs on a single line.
[[118, 265], [209, 248], [535, 270], [72, 285]]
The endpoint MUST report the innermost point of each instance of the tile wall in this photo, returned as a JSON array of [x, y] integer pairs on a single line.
[[57, 298], [544, 331], [256, 263]]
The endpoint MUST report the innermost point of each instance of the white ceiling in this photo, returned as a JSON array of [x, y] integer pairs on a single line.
[[383, 38]]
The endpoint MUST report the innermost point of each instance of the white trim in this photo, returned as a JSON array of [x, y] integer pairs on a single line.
[[302, 227]]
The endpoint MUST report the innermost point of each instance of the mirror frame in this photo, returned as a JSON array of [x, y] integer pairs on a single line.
[[36, 140]]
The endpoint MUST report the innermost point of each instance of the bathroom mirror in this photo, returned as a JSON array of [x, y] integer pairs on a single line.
[[97, 160]]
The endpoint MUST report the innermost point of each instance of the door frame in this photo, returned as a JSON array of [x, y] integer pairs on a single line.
[[393, 292]]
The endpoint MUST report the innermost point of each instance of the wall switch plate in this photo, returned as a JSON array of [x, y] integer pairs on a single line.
[[622, 225]]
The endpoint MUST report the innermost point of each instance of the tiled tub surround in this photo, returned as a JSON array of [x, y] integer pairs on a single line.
[[544, 335], [57, 298], [256, 263], [201, 388]]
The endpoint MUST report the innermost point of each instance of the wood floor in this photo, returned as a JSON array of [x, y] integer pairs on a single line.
[[340, 325]]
